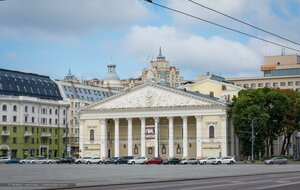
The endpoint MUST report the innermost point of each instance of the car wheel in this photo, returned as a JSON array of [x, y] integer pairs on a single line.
[[44, 162], [271, 163], [219, 162], [132, 162], [284, 162], [49, 162], [231, 162], [204, 163], [32, 162], [99, 162]]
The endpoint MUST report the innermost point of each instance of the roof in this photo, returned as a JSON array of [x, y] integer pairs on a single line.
[[15, 83]]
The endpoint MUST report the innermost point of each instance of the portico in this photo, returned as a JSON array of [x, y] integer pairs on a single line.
[[152, 120]]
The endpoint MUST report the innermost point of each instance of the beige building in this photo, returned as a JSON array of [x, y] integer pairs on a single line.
[[278, 72], [214, 86], [154, 120]]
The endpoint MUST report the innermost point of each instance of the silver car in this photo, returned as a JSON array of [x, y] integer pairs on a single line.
[[27, 160], [137, 160], [208, 160], [3, 160], [276, 160], [189, 161], [40, 160], [93, 160]]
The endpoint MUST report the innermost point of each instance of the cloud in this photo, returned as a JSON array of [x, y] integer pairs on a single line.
[[194, 54], [67, 17]]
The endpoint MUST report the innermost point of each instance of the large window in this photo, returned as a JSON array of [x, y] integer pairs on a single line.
[[15, 108], [211, 132], [4, 107], [92, 134]]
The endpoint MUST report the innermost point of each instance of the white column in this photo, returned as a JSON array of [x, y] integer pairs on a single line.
[[156, 141], [171, 137], [103, 138], [117, 137], [81, 140], [129, 136], [143, 139], [232, 152], [185, 138], [198, 137], [224, 135]]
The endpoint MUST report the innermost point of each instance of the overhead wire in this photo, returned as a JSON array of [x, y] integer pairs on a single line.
[[243, 22], [222, 26]]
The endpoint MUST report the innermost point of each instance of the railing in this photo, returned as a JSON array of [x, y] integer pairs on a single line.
[[46, 134], [27, 134], [5, 133]]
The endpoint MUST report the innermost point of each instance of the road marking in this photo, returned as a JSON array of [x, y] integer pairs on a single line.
[[280, 185]]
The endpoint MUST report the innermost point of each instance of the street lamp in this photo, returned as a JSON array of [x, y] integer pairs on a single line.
[[252, 140]]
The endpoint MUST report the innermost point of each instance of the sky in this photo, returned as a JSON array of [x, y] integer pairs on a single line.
[[49, 37]]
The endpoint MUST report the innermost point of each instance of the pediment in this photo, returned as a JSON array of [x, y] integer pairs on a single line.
[[153, 95]]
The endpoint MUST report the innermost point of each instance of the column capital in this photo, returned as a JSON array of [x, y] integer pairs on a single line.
[[170, 117], [198, 117], [129, 119], [116, 119], [183, 117], [156, 119], [102, 121]]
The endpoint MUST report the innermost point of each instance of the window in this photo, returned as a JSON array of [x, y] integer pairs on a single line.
[[50, 111], [32, 119], [275, 84], [260, 85], [26, 140], [15, 108], [14, 129], [253, 85], [32, 109], [55, 141], [50, 121], [211, 94], [64, 112], [26, 129], [50, 141], [14, 118], [15, 140], [268, 85], [211, 132], [32, 130], [223, 87], [282, 83], [55, 132], [297, 83], [92, 134], [26, 119], [246, 85], [4, 118], [32, 141], [4, 107], [26, 109]]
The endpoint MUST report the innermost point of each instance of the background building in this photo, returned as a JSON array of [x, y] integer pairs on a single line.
[[79, 95], [33, 116], [282, 71]]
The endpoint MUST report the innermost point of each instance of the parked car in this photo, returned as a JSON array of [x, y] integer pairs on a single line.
[[193, 161], [54, 160], [123, 160], [68, 160], [3, 160], [94, 160], [137, 160], [39, 160], [276, 160], [82, 160], [27, 160], [208, 160], [13, 161], [110, 160], [172, 161], [226, 160], [155, 160]]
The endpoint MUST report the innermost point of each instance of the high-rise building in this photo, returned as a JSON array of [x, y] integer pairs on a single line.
[[33, 116]]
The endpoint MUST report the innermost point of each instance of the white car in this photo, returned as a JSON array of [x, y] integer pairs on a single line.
[[137, 160], [3, 160], [189, 161], [93, 160], [208, 160], [226, 160], [27, 160], [53, 161], [82, 160], [39, 160]]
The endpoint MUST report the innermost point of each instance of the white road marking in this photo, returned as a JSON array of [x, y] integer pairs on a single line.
[[280, 185]]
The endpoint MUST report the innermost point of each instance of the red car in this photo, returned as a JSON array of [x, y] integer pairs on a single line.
[[155, 160]]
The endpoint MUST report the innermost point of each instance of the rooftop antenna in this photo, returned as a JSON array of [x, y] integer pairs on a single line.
[[283, 51]]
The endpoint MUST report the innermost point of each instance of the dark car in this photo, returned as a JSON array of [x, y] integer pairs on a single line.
[[13, 161], [172, 161], [123, 160], [68, 160], [155, 160], [110, 160]]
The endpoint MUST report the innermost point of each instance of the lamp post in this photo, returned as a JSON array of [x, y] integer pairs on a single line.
[[252, 141]]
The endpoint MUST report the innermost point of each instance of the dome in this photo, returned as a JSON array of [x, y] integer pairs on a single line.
[[111, 74]]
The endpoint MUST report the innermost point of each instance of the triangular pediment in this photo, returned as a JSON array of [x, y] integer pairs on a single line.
[[154, 95]]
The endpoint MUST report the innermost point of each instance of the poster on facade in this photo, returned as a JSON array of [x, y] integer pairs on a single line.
[[150, 135]]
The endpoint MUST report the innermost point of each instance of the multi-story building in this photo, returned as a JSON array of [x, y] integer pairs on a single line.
[[33, 116], [79, 95], [281, 71]]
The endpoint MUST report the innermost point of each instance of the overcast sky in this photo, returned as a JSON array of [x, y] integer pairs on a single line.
[[50, 36]]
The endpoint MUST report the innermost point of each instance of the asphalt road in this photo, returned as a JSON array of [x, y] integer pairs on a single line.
[[288, 181], [36, 176]]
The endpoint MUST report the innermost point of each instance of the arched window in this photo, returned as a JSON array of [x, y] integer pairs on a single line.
[[50, 111], [15, 108], [4, 107], [26, 109], [32, 109], [92, 134], [211, 132]]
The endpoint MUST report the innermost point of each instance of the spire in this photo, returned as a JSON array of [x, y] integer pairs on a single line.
[[160, 57], [69, 73]]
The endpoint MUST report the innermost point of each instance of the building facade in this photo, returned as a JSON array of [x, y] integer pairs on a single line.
[[154, 120], [281, 71], [79, 95], [33, 116]]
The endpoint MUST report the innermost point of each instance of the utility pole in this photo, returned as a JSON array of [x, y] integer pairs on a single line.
[[252, 141]]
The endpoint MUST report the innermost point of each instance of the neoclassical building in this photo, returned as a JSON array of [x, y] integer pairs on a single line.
[[154, 120]]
